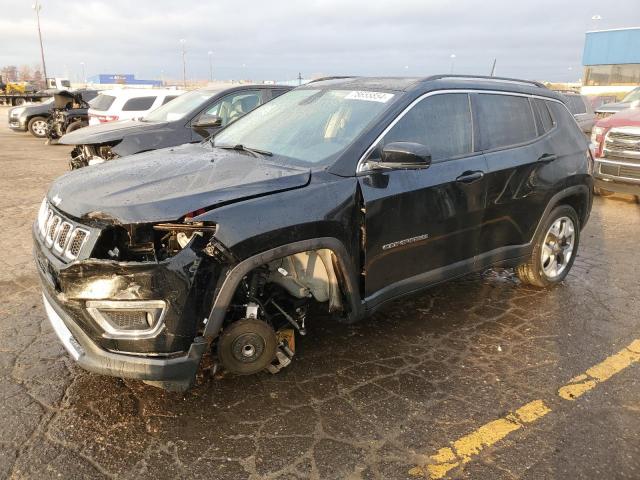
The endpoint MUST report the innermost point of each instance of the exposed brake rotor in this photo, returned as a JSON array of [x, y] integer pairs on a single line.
[[247, 346]]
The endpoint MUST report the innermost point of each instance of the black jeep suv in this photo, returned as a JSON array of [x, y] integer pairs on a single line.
[[340, 195]]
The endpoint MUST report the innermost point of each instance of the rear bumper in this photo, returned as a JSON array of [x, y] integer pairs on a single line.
[[172, 373]]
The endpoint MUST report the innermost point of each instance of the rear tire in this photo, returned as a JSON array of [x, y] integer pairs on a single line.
[[75, 126], [554, 249], [37, 126]]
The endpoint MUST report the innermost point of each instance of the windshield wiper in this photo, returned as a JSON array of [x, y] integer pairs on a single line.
[[241, 148]]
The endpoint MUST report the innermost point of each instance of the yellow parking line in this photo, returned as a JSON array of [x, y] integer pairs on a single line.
[[601, 372], [465, 448]]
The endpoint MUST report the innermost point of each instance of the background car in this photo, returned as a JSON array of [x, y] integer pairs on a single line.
[[31, 117], [581, 109], [127, 104], [68, 112], [189, 118], [616, 150], [612, 108]]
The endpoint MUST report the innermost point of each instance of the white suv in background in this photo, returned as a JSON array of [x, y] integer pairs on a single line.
[[127, 104]]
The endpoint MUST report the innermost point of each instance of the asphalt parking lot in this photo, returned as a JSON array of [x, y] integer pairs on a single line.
[[481, 378]]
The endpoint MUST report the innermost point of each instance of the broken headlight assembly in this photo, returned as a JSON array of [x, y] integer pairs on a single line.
[[151, 242], [128, 319]]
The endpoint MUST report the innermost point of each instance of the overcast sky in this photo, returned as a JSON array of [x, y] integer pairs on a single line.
[[254, 39]]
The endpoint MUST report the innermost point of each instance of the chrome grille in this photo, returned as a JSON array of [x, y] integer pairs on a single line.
[[65, 238], [77, 240], [622, 171], [621, 143]]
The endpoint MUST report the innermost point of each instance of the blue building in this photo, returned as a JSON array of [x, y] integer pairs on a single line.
[[612, 58], [122, 79]]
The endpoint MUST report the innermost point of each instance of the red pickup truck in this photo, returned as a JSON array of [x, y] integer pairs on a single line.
[[616, 150]]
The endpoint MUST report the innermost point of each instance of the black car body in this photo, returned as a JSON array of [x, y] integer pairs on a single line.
[[70, 111], [31, 117], [159, 129], [343, 194]]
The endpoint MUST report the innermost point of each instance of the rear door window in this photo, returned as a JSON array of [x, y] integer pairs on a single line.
[[441, 122], [102, 102], [138, 104], [504, 120]]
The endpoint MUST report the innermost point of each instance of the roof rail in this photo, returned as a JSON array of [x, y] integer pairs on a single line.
[[335, 77], [483, 77]]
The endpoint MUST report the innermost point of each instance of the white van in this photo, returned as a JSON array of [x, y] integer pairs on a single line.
[[127, 104]]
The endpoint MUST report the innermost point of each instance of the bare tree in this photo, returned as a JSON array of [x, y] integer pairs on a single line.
[[25, 74], [10, 73]]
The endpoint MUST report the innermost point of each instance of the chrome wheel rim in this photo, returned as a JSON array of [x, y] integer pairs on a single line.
[[39, 128], [557, 248]]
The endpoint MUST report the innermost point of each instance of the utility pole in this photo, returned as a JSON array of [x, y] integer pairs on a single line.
[[210, 53], [184, 63], [299, 78], [453, 60], [37, 7], [493, 68]]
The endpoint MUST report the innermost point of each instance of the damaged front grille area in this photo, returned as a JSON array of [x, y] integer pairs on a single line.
[[62, 236]]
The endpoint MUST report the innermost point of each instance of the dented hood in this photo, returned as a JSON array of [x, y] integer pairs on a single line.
[[164, 185]]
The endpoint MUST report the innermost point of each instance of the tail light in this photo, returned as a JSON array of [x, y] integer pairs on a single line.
[[597, 140], [105, 118]]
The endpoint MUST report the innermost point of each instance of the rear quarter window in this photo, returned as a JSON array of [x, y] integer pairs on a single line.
[[168, 98], [138, 103], [503, 120], [544, 121], [102, 102]]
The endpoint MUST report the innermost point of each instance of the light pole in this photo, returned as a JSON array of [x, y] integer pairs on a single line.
[[37, 7], [594, 21], [84, 75], [453, 60], [184, 62], [210, 53]]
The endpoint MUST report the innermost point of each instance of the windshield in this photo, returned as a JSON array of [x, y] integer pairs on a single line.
[[180, 106], [632, 96], [307, 125]]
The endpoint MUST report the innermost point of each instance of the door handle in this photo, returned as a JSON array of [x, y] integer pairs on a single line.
[[547, 158], [470, 177]]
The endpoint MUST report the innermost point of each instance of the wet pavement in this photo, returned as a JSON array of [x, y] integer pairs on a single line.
[[370, 401]]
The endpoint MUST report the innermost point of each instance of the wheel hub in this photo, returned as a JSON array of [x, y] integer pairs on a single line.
[[248, 347], [557, 248]]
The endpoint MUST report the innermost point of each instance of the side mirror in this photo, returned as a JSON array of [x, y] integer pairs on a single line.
[[403, 155], [207, 121]]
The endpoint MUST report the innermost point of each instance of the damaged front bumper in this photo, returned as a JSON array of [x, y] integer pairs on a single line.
[[79, 293], [172, 373]]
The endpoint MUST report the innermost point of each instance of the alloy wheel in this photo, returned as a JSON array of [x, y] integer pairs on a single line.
[[557, 248]]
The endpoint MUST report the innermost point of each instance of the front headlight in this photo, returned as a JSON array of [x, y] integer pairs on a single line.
[[16, 112], [595, 132], [43, 214]]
